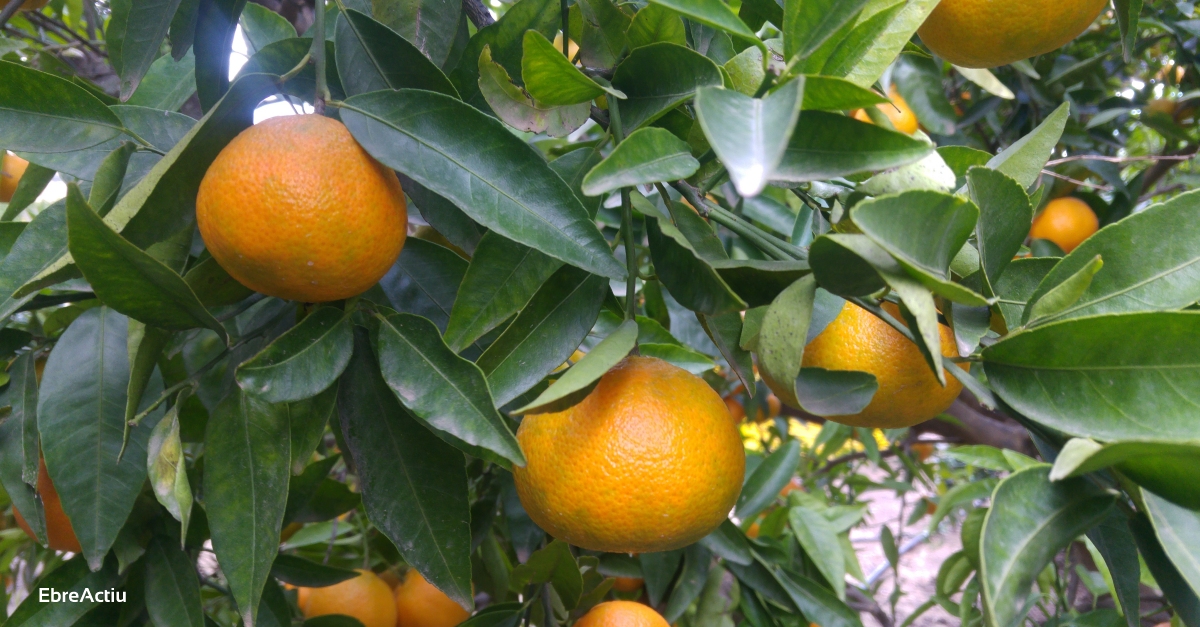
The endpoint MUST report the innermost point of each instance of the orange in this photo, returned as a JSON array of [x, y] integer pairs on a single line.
[[295, 208], [908, 393], [1162, 106], [365, 597], [990, 33], [753, 531], [736, 411], [792, 486], [12, 168], [628, 584], [897, 111], [60, 535], [650, 461], [1065, 221], [621, 614], [922, 450], [572, 48], [420, 604]]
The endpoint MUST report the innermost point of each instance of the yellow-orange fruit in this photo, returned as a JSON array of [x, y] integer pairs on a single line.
[[922, 450], [897, 111], [60, 536], [650, 461], [628, 584], [1066, 222], [295, 208], [12, 168], [908, 393], [365, 597], [990, 33], [420, 604], [621, 614]]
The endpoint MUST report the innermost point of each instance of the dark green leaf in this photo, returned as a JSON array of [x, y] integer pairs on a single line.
[[166, 468], [579, 380], [686, 358], [67, 578], [443, 216], [109, 178], [333, 620], [1176, 590], [1018, 284], [308, 421], [213, 285], [963, 495], [547, 331], [1024, 160], [658, 569], [696, 565], [819, 540], [505, 38], [302, 362], [1005, 214], [554, 565], [725, 331], [757, 281], [817, 603], [659, 77], [134, 36], [41, 112], [172, 590], [1177, 528], [31, 185], [446, 392], [1049, 304], [735, 126], [919, 80], [1115, 543], [371, 57], [886, 44], [602, 39], [655, 23], [648, 155], [764, 484], [216, 23], [783, 334], [1128, 12], [247, 467], [425, 280], [22, 400], [284, 55], [501, 279], [550, 77], [414, 485], [430, 25], [23, 495], [1161, 466], [829, 145], [714, 13], [834, 392], [1030, 520], [262, 27], [830, 93], [685, 273], [496, 178], [729, 543], [301, 572], [807, 24]]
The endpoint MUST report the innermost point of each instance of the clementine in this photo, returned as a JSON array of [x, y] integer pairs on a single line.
[[621, 614], [60, 536], [990, 33], [366, 598], [420, 604], [1066, 222]]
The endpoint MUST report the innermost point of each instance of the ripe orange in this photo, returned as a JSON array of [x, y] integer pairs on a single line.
[[650, 461], [365, 597], [60, 536], [420, 604], [1065, 221], [990, 33], [736, 411], [922, 450], [12, 168], [628, 584], [295, 208], [897, 111], [1164, 106], [621, 614], [908, 391]]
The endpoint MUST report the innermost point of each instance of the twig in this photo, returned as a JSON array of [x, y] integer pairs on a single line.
[[479, 15], [1054, 162], [63, 30], [10, 10], [1104, 188], [41, 302]]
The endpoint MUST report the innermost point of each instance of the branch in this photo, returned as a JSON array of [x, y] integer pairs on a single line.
[[9, 10], [1054, 162], [1068, 179], [478, 14]]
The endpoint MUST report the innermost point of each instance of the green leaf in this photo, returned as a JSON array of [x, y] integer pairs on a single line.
[[505, 39], [213, 285], [725, 331], [81, 409], [41, 112], [750, 135], [501, 279], [1018, 284], [686, 358], [980, 455], [850, 44], [819, 541], [1108, 377], [1133, 280], [168, 83], [444, 391], [1128, 12], [22, 400], [697, 564], [166, 468], [425, 280], [658, 569], [1160, 466], [580, 379], [443, 216], [545, 333], [23, 495], [371, 57], [602, 38], [1050, 303], [134, 36], [262, 27], [1175, 588], [298, 571], [31, 185], [648, 155], [658, 77], [307, 421], [963, 496], [655, 23], [431, 25], [1177, 528], [830, 93], [834, 392], [1115, 544], [922, 230], [247, 453], [729, 543], [333, 620], [919, 80], [172, 590], [302, 362], [764, 484], [216, 23], [885, 48], [551, 78], [1030, 520], [986, 80], [555, 565], [690, 279], [519, 110], [284, 55], [494, 177], [129, 280], [817, 603], [757, 281], [714, 13], [807, 24], [67, 578], [414, 485], [1024, 160], [1005, 215], [829, 145], [109, 178], [783, 334]]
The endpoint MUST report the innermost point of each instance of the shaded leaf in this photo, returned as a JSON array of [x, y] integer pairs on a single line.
[[40, 112], [828, 145], [371, 57], [172, 589], [834, 392], [298, 571], [648, 155], [658, 77], [302, 362], [763, 485], [581, 378]]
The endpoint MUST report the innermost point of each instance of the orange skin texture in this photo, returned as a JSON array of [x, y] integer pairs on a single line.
[[287, 224], [650, 461], [990, 33], [420, 604], [1065, 221], [908, 391], [12, 167], [365, 597], [60, 535], [621, 614], [628, 584]]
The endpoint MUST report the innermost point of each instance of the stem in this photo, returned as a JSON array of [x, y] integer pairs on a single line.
[[318, 56], [10, 10], [566, 27], [631, 267], [296, 70], [144, 144], [780, 250]]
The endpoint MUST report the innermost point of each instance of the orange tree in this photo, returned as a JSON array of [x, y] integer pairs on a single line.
[[677, 188]]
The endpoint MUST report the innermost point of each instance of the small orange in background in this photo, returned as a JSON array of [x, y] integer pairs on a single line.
[[622, 614], [286, 223], [12, 167], [1065, 221], [922, 450], [897, 111], [60, 536], [420, 604], [753, 531], [735, 409], [792, 486], [366, 598], [628, 584]]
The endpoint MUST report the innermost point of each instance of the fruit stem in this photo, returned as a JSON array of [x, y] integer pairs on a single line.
[[318, 55]]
